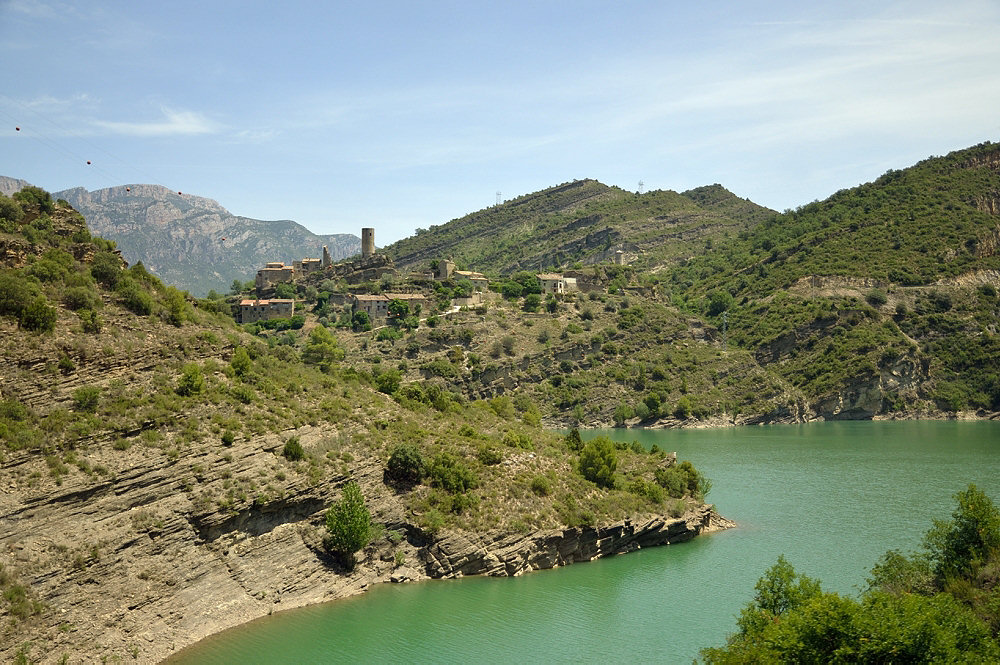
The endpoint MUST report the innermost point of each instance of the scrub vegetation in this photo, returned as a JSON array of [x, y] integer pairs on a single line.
[[941, 604]]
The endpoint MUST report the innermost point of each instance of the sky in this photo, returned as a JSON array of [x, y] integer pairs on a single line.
[[404, 115]]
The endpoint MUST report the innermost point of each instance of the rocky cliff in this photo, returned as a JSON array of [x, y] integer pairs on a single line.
[[139, 564]]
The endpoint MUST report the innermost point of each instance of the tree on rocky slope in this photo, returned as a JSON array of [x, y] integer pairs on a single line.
[[349, 524]]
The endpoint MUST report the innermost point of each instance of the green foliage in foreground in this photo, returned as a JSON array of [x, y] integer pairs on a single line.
[[349, 524], [941, 605]]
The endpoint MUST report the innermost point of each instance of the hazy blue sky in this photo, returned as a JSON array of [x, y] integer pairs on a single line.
[[406, 114]]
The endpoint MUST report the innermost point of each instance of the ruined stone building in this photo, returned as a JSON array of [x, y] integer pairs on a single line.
[[377, 306], [251, 311], [273, 273], [306, 266], [446, 270]]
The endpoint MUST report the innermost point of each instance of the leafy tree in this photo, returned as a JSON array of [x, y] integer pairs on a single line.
[[284, 290], [398, 309], [972, 534], [177, 306], [35, 197], [16, 292], [780, 590], [573, 439], [450, 472], [134, 297], [321, 349], [388, 382], [240, 362], [360, 321], [11, 214], [598, 461], [80, 297], [718, 302], [532, 302], [349, 524]]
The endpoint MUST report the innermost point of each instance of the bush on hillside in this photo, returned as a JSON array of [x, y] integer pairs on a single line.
[[38, 316], [106, 268], [598, 461], [405, 464]]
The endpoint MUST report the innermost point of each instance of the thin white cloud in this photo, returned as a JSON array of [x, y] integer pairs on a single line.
[[175, 123]]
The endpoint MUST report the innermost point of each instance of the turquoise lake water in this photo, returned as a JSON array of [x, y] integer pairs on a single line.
[[831, 497]]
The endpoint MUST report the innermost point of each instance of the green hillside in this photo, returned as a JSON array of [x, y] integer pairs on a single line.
[[901, 270], [151, 449], [582, 221]]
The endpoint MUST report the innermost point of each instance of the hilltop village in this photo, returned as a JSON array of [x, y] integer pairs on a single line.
[[370, 290]]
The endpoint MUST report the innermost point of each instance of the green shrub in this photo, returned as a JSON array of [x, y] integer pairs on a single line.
[[32, 197], [573, 440], [228, 438], [598, 461], [405, 464], [191, 382], [876, 298], [177, 306], [541, 485], [970, 537], [15, 292], [11, 214], [81, 297], [388, 382], [651, 491], [449, 472], [106, 268], [38, 316], [489, 455], [293, 450], [90, 321], [243, 393], [86, 398], [349, 524], [66, 364], [134, 298], [240, 362]]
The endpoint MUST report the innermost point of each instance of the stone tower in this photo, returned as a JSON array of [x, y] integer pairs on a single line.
[[327, 262], [367, 243]]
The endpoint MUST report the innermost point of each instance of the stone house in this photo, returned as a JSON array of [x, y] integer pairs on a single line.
[[446, 270], [378, 306], [274, 272], [551, 283], [250, 311], [479, 281]]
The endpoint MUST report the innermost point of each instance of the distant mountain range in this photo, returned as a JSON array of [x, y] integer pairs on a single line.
[[190, 241]]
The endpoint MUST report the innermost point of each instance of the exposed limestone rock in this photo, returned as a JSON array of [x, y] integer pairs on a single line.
[[138, 564]]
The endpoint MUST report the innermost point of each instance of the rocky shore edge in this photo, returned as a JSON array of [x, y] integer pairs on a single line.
[[454, 554], [137, 566]]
